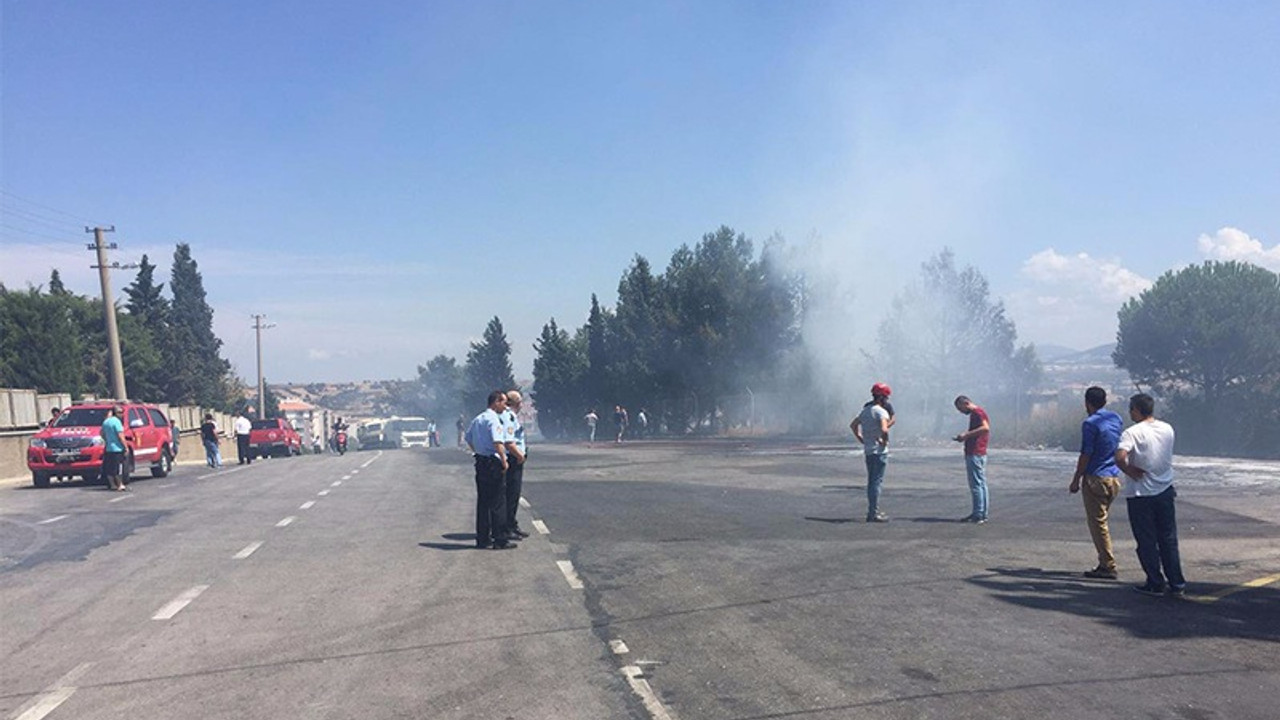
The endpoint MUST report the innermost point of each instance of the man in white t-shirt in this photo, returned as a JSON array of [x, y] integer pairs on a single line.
[[1145, 456], [871, 427], [242, 427]]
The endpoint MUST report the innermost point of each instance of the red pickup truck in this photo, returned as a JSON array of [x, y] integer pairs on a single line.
[[274, 437], [71, 445]]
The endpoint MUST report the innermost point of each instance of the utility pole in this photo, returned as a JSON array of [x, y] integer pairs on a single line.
[[109, 307], [258, 327]]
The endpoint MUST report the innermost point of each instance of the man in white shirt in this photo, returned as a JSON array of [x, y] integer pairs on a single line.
[[871, 427], [1145, 456], [242, 426]]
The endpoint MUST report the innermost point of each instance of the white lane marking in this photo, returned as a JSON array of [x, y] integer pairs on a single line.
[[525, 504], [307, 505], [370, 460], [206, 476], [322, 493], [335, 483], [248, 550], [52, 520], [541, 527], [122, 497], [570, 574], [49, 700], [285, 522], [346, 477], [640, 686], [618, 647], [166, 485], [356, 471], [175, 606]]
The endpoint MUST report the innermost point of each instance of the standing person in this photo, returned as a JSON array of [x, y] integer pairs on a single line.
[[488, 441], [433, 438], [517, 454], [591, 419], [871, 427], [460, 425], [619, 422], [242, 426], [209, 436], [975, 456], [1097, 474], [1145, 455], [643, 420], [113, 449]]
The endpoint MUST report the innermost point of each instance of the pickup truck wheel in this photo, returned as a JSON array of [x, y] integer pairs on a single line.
[[39, 479], [164, 467]]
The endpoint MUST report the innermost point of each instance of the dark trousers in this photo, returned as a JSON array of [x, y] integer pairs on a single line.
[[491, 501], [1155, 527], [514, 482], [242, 449]]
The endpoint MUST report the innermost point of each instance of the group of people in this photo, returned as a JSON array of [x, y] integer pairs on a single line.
[[497, 440], [621, 423], [1136, 462]]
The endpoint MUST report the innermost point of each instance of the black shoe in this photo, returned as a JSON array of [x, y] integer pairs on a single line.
[[1102, 573], [518, 533], [878, 518], [505, 546], [968, 519], [483, 545], [1177, 591], [1151, 589]]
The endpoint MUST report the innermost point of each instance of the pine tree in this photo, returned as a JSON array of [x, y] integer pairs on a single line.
[[488, 366], [200, 375], [558, 373]]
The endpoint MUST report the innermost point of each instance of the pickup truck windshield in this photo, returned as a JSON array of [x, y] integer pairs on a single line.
[[81, 417]]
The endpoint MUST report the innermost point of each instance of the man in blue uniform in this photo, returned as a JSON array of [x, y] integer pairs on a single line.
[[487, 438]]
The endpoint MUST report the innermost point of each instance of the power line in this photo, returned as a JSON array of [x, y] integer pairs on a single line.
[[33, 233], [50, 208], [27, 216]]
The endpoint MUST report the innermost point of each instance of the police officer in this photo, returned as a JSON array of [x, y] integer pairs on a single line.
[[487, 438], [515, 466]]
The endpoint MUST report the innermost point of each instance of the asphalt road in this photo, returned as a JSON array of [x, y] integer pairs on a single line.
[[699, 580]]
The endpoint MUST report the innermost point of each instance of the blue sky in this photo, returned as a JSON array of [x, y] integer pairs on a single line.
[[381, 178]]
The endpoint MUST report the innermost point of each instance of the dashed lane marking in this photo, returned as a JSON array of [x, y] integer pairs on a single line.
[[1233, 589], [541, 527], [570, 574], [322, 493], [307, 505], [122, 497], [369, 462], [346, 477], [49, 700], [248, 550], [335, 483], [640, 686], [52, 520], [356, 471], [618, 647], [166, 485], [286, 522], [175, 605]]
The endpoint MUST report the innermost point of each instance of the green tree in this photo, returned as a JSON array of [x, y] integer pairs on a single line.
[[945, 336], [1208, 338], [488, 366], [41, 345], [559, 370], [200, 375], [597, 329]]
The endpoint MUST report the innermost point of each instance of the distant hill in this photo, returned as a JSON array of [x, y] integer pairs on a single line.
[[1051, 353]]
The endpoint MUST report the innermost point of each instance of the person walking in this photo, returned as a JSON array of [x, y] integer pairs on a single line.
[[1097, 478], [975, 456], [591, 419], [209, 436], [871, 427], [517, 455], [642, 419], [460, 425], [242, 426], [488, 441], [113, 449], [1145, 455]]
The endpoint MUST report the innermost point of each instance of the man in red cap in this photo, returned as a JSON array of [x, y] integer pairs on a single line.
[[871, 427]]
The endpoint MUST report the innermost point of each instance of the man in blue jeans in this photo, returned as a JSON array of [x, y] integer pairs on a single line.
[[871, 427], [1145, 456], [975, 457]]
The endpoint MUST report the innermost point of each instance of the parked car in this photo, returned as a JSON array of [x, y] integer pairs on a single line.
[[274, 437], [71, 445]]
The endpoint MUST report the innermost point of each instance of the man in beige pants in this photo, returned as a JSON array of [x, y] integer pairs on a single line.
[[1098, 475]]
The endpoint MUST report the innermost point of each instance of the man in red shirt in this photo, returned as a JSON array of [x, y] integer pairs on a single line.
[[975, 456]]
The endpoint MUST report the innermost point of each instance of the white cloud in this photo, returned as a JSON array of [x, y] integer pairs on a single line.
[[1232, 244], [1071, 300]]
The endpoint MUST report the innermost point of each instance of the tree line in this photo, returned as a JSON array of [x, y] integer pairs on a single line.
[[53, 340]]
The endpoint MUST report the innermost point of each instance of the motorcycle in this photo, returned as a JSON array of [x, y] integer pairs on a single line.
[[341, 442]]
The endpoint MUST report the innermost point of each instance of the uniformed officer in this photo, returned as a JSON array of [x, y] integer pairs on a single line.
[[516, 450], [487, 439]]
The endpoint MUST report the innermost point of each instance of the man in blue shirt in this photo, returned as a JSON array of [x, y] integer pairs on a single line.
[[1098, 475], [113, 448], [487, 437]]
